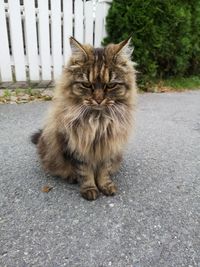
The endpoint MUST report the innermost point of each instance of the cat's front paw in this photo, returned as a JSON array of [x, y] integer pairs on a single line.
[[108, 189], [89, 193]]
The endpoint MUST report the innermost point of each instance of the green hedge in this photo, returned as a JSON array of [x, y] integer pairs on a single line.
[[166, 35]]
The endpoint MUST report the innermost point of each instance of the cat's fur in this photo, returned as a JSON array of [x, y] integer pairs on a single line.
[[90, 118]]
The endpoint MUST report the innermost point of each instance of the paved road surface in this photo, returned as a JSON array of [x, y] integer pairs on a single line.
[[154, 220]]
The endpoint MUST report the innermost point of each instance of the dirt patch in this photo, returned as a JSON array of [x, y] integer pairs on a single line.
[[20, 96]]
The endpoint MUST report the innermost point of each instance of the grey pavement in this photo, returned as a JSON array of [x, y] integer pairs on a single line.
[[154, 220]]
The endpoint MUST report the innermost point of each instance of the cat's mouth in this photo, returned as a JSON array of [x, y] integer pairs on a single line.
[[97, 105]]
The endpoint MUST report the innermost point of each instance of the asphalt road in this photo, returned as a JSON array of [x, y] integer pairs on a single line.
[[154, 220]]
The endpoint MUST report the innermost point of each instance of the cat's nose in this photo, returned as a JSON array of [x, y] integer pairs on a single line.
[[99, 100], [98, 95]]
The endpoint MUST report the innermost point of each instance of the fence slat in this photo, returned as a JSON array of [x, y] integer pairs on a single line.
[[31, 39], [16, 40], [44, 39], [67, 27], [5, 64], [106, 6], [89, 22], [101, 8], [56, 37], [79, 20]]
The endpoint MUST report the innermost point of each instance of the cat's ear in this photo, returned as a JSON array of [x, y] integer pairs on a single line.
[[77, 48], [123, 48]]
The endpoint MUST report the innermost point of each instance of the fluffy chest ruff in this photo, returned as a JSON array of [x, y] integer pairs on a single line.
[[98, 136]]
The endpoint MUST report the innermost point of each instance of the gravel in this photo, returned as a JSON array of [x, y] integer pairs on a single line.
[[154, 220]]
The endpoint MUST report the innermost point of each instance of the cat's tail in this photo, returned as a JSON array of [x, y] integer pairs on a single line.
[[35, 137]]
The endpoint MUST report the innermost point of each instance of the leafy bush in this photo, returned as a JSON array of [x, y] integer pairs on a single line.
[[166, 35]]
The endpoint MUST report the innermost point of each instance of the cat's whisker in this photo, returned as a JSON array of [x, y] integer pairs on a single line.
[[118, 114], [78, 114]]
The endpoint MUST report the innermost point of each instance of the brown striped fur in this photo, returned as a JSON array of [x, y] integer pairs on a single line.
[[91, 117]]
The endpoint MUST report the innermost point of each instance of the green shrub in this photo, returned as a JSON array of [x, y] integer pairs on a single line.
[[194, 67], [166, 35]]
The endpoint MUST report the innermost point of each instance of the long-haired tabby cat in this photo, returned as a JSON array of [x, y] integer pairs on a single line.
[[90, 118]]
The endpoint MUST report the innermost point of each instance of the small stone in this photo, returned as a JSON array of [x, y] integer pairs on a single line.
[[25, 97], [47, 98], [111, 205], [22, 101], [13, 98], [47, 92]]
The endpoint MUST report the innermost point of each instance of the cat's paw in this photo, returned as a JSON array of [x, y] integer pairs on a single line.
[[108, 189], [89, 193]]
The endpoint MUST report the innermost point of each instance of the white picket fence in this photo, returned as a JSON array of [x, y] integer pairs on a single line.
[[34, 34]]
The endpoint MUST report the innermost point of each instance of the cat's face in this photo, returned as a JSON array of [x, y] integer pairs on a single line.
[[100, 77]]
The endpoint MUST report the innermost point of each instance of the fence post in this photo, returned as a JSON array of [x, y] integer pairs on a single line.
[[100, 20], [89, 22], [31, 39], [56, 38], [67, 27], [5, 64], [17, 40], [44, 41], [78, 27]]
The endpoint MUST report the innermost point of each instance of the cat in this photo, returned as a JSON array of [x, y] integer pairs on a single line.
[[90, 118]]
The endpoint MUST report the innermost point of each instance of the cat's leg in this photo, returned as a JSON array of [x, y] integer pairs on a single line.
[[103, 180], [88, 188], [61, 168], [54, 162], [115, 163], [65, 170]]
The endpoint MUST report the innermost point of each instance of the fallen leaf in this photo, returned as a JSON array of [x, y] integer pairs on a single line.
[[46, 188]]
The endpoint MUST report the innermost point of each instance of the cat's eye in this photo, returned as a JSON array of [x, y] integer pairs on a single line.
[[111, 85], [87, 85]]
